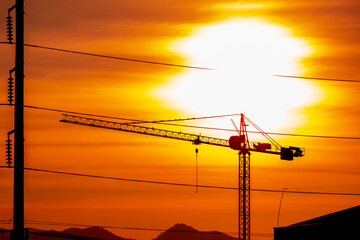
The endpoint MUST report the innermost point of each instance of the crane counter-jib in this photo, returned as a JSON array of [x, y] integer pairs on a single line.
[[125, 127]]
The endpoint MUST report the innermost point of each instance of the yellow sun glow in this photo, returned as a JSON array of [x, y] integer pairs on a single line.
[[245, 54]]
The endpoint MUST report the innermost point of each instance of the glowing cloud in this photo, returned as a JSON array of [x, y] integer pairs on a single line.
[[245, 53]]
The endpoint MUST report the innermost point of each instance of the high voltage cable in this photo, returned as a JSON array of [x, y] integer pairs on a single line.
[[319, 79], [165, 122], [80, 113], [174, 65], [183, 184], [182, 119], [270, 133], [114, 57], [50, 223], [124, 228], [109, 227], [130, 119], [314, 136]]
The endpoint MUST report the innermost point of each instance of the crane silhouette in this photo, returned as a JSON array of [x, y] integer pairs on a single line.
[[238, 142]]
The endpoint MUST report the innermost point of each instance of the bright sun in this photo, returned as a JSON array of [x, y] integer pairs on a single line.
[[245, 54]]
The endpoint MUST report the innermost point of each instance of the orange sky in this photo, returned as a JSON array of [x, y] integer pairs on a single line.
[[150, 30]]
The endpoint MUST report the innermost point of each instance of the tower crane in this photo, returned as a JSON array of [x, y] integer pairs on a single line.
[[238, 142]]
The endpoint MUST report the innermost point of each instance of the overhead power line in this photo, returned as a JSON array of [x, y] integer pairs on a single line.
[[130, 119], [166, 122], [51, 223], [270, 133], [173, 65], [79, 113], [108, 227], [114, 57], [183, 119], [183, 184], [319, 78]]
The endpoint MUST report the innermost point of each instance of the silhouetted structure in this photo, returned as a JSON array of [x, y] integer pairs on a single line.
[[177, 232], [339, 225], [95, 232], [183, 232], [91, 233], [238, 142]]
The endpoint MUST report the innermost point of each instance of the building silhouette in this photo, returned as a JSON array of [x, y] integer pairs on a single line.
[[340, 225]]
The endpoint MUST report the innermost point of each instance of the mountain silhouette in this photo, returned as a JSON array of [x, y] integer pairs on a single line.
[[95, 232], [179, 231], [182, 231], [92, 233]]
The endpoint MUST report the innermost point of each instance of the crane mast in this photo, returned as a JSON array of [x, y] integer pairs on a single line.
[[244, 182], [240, 143]]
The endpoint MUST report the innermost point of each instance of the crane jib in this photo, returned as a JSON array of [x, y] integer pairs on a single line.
[[286, 153]]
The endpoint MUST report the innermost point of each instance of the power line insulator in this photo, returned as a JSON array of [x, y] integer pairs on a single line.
[[9, 28], [10, 90], [8, 152]]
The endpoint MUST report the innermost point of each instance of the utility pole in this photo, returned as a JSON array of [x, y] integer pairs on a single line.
[[18, 211]]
